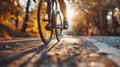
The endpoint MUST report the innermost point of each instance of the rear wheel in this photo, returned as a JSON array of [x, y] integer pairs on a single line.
[[42, 18]]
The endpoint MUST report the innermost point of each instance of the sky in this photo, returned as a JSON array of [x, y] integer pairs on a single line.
[[23, 2]]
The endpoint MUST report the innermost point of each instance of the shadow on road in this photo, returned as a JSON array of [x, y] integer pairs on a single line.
[[37, 50], [43, 57], [73, 55]]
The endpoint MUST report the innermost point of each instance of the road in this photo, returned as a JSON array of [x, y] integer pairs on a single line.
[[69, 52]]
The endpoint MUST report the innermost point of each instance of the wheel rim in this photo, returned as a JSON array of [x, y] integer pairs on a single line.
[[59, 27]]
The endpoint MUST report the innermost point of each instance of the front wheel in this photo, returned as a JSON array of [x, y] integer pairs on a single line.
[[58, 26], [42, 18]]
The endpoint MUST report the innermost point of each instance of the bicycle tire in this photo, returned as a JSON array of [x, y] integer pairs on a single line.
[[58, 26], [45, 35]]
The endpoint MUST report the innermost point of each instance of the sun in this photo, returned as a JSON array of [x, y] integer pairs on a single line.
[[70, 14]]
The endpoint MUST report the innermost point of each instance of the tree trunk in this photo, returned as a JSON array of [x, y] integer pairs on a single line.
[[105, 13], [16, 21], [16, 15], [100, 17], [26, 17], [114, 22], [102, 23]]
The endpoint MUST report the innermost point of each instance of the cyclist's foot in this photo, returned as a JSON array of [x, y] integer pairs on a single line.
[[65, 24], [48, 26]]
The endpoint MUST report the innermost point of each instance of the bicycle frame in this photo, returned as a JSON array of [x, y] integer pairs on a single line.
[[51, 5]]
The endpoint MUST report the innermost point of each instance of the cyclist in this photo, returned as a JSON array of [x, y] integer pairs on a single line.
[[63, 10]]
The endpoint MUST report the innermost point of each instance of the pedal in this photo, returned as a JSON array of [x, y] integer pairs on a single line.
[[59, 26]]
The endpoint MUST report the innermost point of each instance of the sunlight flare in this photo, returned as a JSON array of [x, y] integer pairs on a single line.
[[70, 13]]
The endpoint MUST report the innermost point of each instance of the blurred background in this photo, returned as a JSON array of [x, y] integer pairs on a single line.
[[18, 18]]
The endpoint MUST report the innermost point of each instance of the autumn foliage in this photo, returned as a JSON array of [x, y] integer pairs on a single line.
[[96, 17], [91, 17]]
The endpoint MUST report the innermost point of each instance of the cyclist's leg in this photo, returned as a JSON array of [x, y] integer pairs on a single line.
[[63, 10], [49, 25], [48, 7]]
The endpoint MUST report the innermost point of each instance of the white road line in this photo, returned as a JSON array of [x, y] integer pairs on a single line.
[[115, 53]]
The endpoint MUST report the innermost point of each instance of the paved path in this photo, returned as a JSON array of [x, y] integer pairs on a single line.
[[69, 52]]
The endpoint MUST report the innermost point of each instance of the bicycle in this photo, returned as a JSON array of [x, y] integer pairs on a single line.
[[54, 17]]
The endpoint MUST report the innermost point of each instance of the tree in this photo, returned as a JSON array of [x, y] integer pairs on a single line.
[[112, 6], [26, 17], [17, 15], [9, 9], [96, 12]]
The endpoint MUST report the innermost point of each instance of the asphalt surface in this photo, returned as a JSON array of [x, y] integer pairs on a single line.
[[69, 52]]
